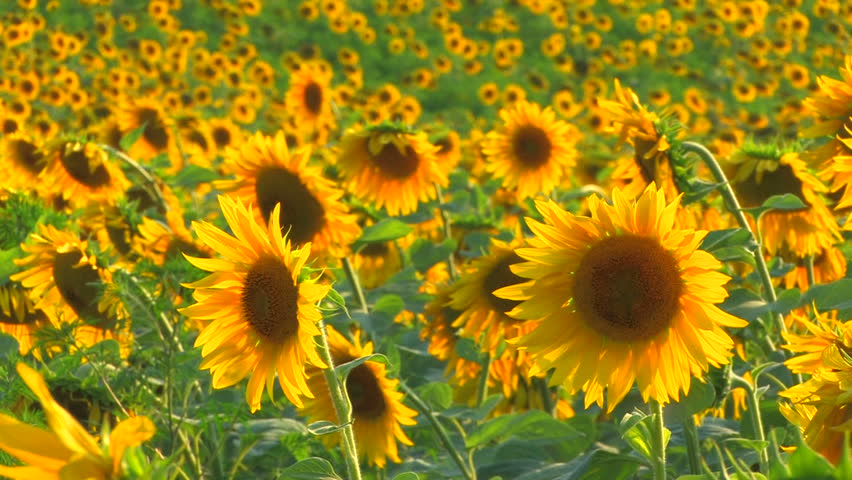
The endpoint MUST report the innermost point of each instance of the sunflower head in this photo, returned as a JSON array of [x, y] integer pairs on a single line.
[[259, 311], [22, 157], [623, 293], [390, 166], [532, 151], [80, 171]]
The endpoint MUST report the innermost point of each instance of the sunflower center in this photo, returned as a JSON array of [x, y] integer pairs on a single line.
[[778, 182], [501, 276], [222, 137], [365, 393], [301, 212], [78, 285], [155, 132], [396, 164], [532, 146], [270, 300], [445, 145], [376, 250], [26, 155], [313, 98], [627, 288], [77, 165]]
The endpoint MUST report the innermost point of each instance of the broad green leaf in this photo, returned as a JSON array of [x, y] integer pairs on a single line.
[[524, 424], [425, 254], [438, 395], [830, 296], [383, 231], [8, 346], [701, 396], [730, 237], [390, 305], [467, 349], [785, 202], [344, 369], [745, 304], [193, 175], [407, 476], [803, 464], [310, 469]]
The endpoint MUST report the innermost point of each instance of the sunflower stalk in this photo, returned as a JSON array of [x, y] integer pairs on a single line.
[[468, 471], [482, 392], [355, 282], [756, 417], [809, 266], [544, 390], [658, 441], [152, 182], [342, 407], [734, 207], [445, 221], [693, 450]]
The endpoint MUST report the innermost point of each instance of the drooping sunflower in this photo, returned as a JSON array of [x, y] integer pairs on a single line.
[[390, 166], [621, 296], [483, 315], [261, 317], [532, 151], [377, 409], [80, 172], [311, 211], [67, 450], [829, 265], [68, 285], [19, 318], [757, 173], [642, 129]]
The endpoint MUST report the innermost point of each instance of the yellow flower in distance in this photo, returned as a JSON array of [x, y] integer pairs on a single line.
[[622, 297], [377, 410], [533, 150], [67, 452], [262, 317]]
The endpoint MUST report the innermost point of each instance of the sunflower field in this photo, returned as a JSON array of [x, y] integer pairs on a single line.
[[425, 239]]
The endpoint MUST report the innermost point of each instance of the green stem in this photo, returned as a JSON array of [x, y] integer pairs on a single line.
[[658, 444], [544, 391], [756, 418], [809, 266], [693, 450], [342, 407], [152, 182], [445, 220], [734, 207], [352, 275], [468, 471], [482, 393]]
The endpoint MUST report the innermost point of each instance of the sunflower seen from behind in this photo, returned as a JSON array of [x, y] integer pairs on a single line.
[[390, 165], [622, 297], [267, 174], [377, 410], [532, 151], [260, 313]]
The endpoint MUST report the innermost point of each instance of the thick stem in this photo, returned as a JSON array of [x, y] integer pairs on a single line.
[[544, 391], [445, 220], [658, 442], [352, 275], [809, 265], [756, 417], [482, 393], [734, 207], [693, 450], [468, 471], [342, 408]]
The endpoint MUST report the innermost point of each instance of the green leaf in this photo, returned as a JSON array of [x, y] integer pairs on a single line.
[[803, 464], [438, 395], [344, 369], [530, 425], [787, 300], [310, 469], [425, 254], [830, 296], [383, 231], [745, 304], [729, 237], [785, 202], [194, 175], [407, 476], [130, 139], [336, 298], [7, 264], [390, 305], [8, 346], [467, 349], [701, 396], [324, 427]]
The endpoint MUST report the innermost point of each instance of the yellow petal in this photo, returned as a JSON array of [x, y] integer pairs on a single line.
[[128, 433]]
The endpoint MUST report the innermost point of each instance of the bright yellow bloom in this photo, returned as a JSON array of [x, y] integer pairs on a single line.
[[67, 452]]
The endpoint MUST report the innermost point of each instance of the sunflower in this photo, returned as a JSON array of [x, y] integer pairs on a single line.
[[309, 96], [813, 341], [442, 337], [829, 265], [377, 410], [22, 160], [532, 151], [156, 136], [261, 318], [67, 451], [483, 315], [449, 150], [310, 207], [623, 294], [163, 241], [757, 173], [821, 405], [67, 284], [80, 172], [19, 318], [390, 166], [651, 160]]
